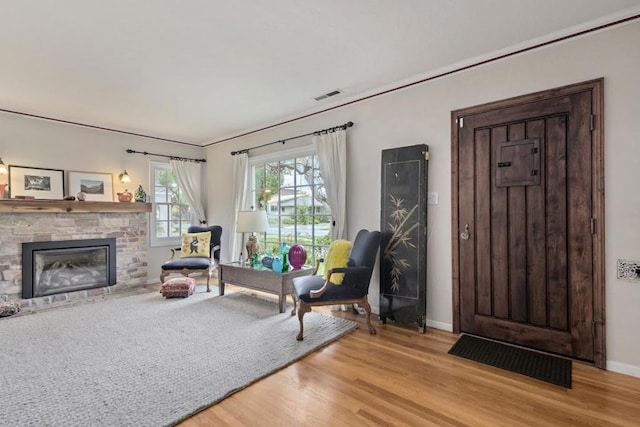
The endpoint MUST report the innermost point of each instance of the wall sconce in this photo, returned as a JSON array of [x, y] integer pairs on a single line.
[[124, 177], [3, 167]]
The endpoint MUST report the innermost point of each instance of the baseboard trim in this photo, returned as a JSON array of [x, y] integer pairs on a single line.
[[623, 368], [440, 325]]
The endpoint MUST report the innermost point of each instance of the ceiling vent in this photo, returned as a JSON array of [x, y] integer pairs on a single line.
[[327, 95]]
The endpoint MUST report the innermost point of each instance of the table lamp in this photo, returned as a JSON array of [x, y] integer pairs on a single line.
[[252, 222]]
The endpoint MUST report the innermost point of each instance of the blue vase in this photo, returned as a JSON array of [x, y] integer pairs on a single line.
[[276, 264]]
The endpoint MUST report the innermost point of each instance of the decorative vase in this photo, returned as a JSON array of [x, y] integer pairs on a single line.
[[81, 196], [125, 196], [3, 188], [284, 253], [276, 264], [297, 256], [267, 261]]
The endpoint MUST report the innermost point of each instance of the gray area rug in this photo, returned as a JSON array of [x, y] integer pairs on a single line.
[[144, 360]]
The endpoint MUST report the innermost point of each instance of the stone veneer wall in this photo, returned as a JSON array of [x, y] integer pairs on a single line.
[[129, 230]]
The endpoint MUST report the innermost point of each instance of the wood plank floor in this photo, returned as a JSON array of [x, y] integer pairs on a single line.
[[401, 378]]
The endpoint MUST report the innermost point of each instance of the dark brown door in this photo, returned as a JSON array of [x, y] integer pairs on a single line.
[[526, 221]]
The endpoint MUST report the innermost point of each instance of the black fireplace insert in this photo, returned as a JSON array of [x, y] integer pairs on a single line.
[[54, 267]]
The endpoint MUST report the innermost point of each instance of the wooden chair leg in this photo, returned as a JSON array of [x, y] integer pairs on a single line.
[[367, 308], [164, 274], [303, 308], [208, 278]]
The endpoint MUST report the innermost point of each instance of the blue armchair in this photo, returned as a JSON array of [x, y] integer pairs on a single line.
[[314, 290], [188, 265]]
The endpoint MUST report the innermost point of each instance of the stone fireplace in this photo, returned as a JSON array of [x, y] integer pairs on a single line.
[[54, 267], [27, 222]]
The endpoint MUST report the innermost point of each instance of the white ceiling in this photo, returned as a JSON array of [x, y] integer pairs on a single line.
[[199, 71]]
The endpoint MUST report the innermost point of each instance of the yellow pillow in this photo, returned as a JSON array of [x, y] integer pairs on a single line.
[[195, 245], [337, 256]]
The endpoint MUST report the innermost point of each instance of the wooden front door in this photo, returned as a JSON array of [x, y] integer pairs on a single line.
[[528, 221]]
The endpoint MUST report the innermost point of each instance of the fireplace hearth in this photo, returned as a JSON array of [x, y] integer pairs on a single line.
[[54, 267]]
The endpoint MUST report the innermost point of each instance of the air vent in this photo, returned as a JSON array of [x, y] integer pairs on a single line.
[[327, 95]]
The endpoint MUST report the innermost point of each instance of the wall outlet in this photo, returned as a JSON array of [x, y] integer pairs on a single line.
[[628, 270], [432, 198]]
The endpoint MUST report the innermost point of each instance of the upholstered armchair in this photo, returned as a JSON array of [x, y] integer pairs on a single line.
[[194, 257], [316, 290]]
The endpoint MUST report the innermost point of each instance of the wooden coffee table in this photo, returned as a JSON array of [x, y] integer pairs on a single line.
[[262, 279]]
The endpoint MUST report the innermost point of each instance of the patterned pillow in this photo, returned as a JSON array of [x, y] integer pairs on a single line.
[[195, 245], [337, 256]]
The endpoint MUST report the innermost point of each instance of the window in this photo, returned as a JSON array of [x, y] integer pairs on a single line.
[[171, 212], [290, 189]]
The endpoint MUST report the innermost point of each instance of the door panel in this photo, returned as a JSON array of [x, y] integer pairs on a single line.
[[525, 267]]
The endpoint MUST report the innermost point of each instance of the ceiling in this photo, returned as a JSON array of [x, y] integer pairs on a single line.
[[200, 71]]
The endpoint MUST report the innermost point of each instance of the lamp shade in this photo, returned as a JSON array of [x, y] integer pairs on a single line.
[[252, 222], [124, 177]]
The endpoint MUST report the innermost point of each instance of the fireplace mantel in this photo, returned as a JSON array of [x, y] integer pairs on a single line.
[[58, 206]]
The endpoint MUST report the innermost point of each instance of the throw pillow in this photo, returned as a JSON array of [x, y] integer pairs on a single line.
[[195, 245], [337, 257]]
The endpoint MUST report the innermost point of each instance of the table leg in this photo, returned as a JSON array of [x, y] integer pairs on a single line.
[[282, 299], [221, 287]]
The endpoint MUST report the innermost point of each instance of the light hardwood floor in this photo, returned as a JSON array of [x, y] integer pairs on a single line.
[[399, 377]]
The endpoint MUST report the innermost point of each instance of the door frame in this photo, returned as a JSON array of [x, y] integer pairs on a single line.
[[597, 183]]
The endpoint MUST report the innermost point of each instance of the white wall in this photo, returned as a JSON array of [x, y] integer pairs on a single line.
[[40, 143], [421, 114]]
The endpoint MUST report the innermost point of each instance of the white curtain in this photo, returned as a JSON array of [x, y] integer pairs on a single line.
[[331, 148], [189, 178], [239, 184]]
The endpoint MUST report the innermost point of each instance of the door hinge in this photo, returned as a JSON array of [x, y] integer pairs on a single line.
[[593, 226], [461, 122], [426, 155], [592, 122]]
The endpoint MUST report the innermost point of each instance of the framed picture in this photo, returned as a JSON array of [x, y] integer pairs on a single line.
[[97, 186], [38, 183]]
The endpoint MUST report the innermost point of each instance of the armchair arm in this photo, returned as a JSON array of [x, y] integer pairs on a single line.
[[213, 251], [173, 253], [318, 293], [351, 270]]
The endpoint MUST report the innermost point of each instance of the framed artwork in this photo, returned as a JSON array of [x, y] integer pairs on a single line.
[[38, 183], [98, 187]]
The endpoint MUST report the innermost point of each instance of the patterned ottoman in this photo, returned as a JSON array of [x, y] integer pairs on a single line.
[[178, 287]]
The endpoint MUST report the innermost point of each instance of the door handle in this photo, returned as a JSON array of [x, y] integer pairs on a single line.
[[465, 234]]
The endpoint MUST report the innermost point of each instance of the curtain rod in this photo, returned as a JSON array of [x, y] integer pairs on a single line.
[[282, 141], [187, 159]]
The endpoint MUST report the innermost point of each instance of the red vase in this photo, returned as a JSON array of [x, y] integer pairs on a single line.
[[297, 256]]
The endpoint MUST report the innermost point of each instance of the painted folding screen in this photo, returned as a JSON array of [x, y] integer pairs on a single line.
[[403, 224]]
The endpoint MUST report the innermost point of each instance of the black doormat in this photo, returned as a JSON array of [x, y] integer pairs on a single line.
[[552, 369]]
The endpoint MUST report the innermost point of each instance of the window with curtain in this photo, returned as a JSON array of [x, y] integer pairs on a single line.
[[289, 187], [172, 215]]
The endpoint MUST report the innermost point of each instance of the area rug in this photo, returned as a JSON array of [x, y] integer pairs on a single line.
[[144, 360], [545, 367]]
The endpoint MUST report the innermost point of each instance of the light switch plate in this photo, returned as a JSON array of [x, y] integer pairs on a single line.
[[432, 198]]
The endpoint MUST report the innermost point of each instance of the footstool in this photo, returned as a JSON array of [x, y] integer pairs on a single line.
[[178, 287]]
